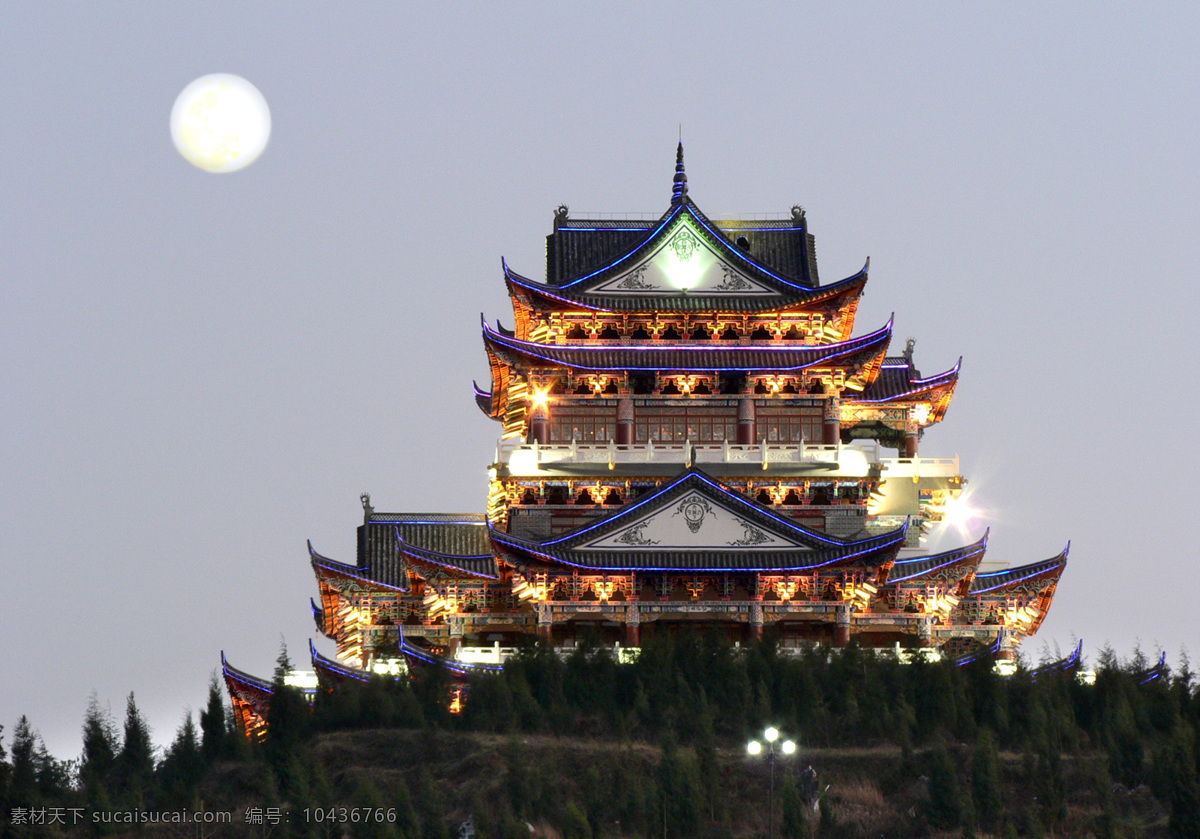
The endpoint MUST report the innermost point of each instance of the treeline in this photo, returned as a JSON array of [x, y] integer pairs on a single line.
[[977, 753]]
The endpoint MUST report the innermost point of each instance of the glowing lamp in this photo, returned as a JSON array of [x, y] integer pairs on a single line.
[[771, 734], [788, 747], [754, 747]]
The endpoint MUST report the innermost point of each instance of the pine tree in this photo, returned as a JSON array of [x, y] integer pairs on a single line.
[[183, 765], [134, 765], [680, 790], [23, 791], [100, 747], [985, 781], [945, 808], [213, 730], [795, 815], [5, 775], [1182, 786]]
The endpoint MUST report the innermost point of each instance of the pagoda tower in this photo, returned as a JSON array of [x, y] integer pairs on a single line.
[[690, 436]]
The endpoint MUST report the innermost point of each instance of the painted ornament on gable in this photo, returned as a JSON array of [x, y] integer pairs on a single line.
[[695, 522], [684, 262], [684, 244], [694, 508]]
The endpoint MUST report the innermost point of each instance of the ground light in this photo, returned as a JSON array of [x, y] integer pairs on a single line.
[[755, 748]]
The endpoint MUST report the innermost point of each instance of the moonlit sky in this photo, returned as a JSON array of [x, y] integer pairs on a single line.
[[199, 372]]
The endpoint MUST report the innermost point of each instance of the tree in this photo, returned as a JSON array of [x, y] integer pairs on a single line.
[[795, 815], [23, 790], [134, 765], [183, 765], [945, 808], [1175, 767], [680, 791], [100, 747], [985, 781], [213, 731]]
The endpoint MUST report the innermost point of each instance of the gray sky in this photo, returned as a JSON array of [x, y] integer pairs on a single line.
[[198, 372]]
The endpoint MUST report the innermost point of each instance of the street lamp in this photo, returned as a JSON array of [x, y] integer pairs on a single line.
[[755, 748]]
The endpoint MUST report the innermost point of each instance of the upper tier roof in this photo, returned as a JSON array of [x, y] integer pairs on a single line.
[[696, 524], [862, 355], [683, 261], [545, 298]]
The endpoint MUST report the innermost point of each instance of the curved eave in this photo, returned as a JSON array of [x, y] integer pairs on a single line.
[[713, 237], [966, 558], [417, 658], [501, 378], [1047, 571], [524, 554], [542, 298], [449, 562], [334, 671], [863, 356], [255, 687], [318, 616], [1156, 672], [483, 398], [331, 570], [971, 657], [1063, 665], [936, 391]]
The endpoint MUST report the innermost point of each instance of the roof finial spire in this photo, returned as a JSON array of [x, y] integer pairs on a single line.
[[680, 185]]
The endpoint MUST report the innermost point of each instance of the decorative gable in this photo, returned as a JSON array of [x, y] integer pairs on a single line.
[[683, 263], [695, 521]]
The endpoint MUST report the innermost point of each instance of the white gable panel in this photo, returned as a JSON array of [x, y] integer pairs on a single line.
[[695, 522], [683, 263]]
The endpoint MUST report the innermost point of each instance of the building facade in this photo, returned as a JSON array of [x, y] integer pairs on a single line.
[[691, 435]]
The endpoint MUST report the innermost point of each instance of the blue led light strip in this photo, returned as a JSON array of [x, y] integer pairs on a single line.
[[935, 567]]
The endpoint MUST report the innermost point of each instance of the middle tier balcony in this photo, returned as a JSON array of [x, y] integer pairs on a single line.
[[856, 460]]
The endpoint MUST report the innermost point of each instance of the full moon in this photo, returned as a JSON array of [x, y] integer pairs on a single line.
[[220, 123]]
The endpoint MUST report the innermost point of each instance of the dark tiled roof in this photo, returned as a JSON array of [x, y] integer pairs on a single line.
[[482, 565], [544, 297], [580, 247], [446, 539], [819, 549], [997, 581], [252, 683], [898, 379], [332, 670], [715, 356], [913, 569]]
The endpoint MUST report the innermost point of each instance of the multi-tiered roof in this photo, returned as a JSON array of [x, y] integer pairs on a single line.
[[691, 434]]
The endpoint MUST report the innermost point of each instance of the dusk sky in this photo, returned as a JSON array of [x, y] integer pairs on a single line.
[[199, 372]]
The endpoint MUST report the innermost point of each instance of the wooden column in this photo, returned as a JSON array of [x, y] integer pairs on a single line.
[[910, 444], [756, 621], [841, 629], [911, 432], [545, 622], [625, 420], [747, 430], [633, 626], [833, 422], [539, 424]]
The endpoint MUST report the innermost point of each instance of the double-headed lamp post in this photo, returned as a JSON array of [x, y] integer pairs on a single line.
[[786, 748]]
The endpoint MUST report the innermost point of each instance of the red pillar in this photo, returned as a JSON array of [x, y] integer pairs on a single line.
[[833, 423], [539, 426], [746, 421], [910, 445], [625, 421], [841, 630]]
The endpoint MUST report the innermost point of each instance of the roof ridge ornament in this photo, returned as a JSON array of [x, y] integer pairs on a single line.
[[679, 188]]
